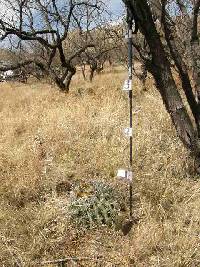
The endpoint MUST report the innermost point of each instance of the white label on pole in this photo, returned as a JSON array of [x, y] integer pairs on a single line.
[[124, 174], [127, 85], [130, 72], [130, 33], [126, 36], [128, 132]]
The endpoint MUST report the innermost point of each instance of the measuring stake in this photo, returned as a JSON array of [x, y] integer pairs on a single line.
[[128, 174], [130, 75]]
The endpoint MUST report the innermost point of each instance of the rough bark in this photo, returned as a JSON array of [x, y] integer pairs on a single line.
[[196, 67], [181, 67], [191, 39]]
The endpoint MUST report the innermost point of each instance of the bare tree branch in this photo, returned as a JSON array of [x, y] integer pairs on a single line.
[[194, 36]]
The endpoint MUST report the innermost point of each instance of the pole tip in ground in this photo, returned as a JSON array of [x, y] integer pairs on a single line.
[[128, 225]]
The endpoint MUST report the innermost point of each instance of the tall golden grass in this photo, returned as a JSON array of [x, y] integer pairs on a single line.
[[48, 138]]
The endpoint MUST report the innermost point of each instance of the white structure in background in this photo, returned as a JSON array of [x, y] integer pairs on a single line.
[[8, 74]]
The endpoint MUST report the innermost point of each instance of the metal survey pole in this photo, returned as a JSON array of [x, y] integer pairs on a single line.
[[130, 74], [128, 173]]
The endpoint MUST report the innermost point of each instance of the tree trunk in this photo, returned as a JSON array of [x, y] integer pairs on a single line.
[[182, 69], [160, 69], [68, 79], [195, 48], [60, 84], [92, 71], [83, 72], [64, 82], [93, 68]]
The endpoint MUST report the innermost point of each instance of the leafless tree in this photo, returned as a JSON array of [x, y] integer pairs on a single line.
[[106, 41], [170, 29], [49, 24]]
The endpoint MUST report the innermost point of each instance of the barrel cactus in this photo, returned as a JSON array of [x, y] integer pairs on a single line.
[[100, 204]]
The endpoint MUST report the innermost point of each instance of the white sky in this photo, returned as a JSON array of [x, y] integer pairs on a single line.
[[116, 6], [5, 11]]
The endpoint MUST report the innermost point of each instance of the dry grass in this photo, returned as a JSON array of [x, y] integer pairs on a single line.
[[48, 138]]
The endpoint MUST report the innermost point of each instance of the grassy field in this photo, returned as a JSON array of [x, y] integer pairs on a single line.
[[50, 140]]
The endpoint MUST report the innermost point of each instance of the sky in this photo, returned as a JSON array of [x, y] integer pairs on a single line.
[[116, 6]]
